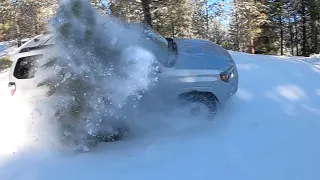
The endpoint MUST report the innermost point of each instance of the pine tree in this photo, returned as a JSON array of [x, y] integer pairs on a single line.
[[293, 28], [25, 18], [199, 19], [218, 33], [314, 8], [272, 37], [81, 80], [131, 11], [248, 17], [206, 20], [6, 19], [234, 28], [173, 18]]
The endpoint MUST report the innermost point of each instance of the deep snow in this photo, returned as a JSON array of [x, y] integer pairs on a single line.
[[268, 130]]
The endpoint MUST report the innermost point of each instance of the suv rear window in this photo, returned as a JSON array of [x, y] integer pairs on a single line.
[[26, 67]]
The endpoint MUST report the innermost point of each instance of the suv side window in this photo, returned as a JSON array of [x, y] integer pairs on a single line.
[[26, 67]]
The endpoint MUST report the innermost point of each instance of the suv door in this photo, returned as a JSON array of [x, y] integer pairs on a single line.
[[21, 77]]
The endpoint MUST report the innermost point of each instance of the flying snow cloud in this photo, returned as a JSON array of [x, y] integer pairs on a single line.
[[97, 72]]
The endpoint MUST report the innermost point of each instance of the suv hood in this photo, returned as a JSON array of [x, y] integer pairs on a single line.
[[201, 54]]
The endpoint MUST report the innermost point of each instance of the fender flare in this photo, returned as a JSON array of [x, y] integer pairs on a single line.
[[196, 90]]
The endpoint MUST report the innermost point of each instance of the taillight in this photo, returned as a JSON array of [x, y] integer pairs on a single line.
[[12, 87]]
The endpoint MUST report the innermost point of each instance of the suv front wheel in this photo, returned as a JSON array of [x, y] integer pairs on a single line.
[[200, 104]]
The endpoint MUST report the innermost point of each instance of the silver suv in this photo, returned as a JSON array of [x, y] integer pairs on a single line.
[[196, 71]]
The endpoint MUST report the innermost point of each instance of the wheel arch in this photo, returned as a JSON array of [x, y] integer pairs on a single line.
[[209, 93]]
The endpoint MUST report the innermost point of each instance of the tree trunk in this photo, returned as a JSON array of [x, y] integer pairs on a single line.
[[237, 25], [17, 21], [304, 29], [291, 36], [313, 9], [296, 32], [281, 35], [146, 12], [207, 20], [36, 22], [252, 51], [172, 27], [314, 36]]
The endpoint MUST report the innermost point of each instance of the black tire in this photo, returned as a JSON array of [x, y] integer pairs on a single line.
[[207, 99], [119, 134]]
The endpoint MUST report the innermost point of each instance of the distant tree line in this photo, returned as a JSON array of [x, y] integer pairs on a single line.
[[280, 27], [172, 18], [24, 18], [276, 26], [184, 18]]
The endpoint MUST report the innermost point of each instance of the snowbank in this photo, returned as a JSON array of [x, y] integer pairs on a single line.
[[315, 60]]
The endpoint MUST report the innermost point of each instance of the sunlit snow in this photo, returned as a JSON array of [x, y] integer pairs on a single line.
[[266, 131]]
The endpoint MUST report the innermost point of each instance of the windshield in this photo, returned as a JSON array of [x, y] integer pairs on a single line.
[[157, 39], [166, 48], [159, 46]]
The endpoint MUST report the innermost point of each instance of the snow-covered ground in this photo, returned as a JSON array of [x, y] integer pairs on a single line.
[[6, 48], [9, 47], [268, 130], [315, 60]]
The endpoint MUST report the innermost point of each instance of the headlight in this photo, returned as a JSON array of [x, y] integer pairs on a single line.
[[227, 75]]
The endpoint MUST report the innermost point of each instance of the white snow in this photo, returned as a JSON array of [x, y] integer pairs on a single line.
[[9, 47], [315, 60], [6, 48], [318, 92], [269, 130], [11, 124], [291, 92]]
